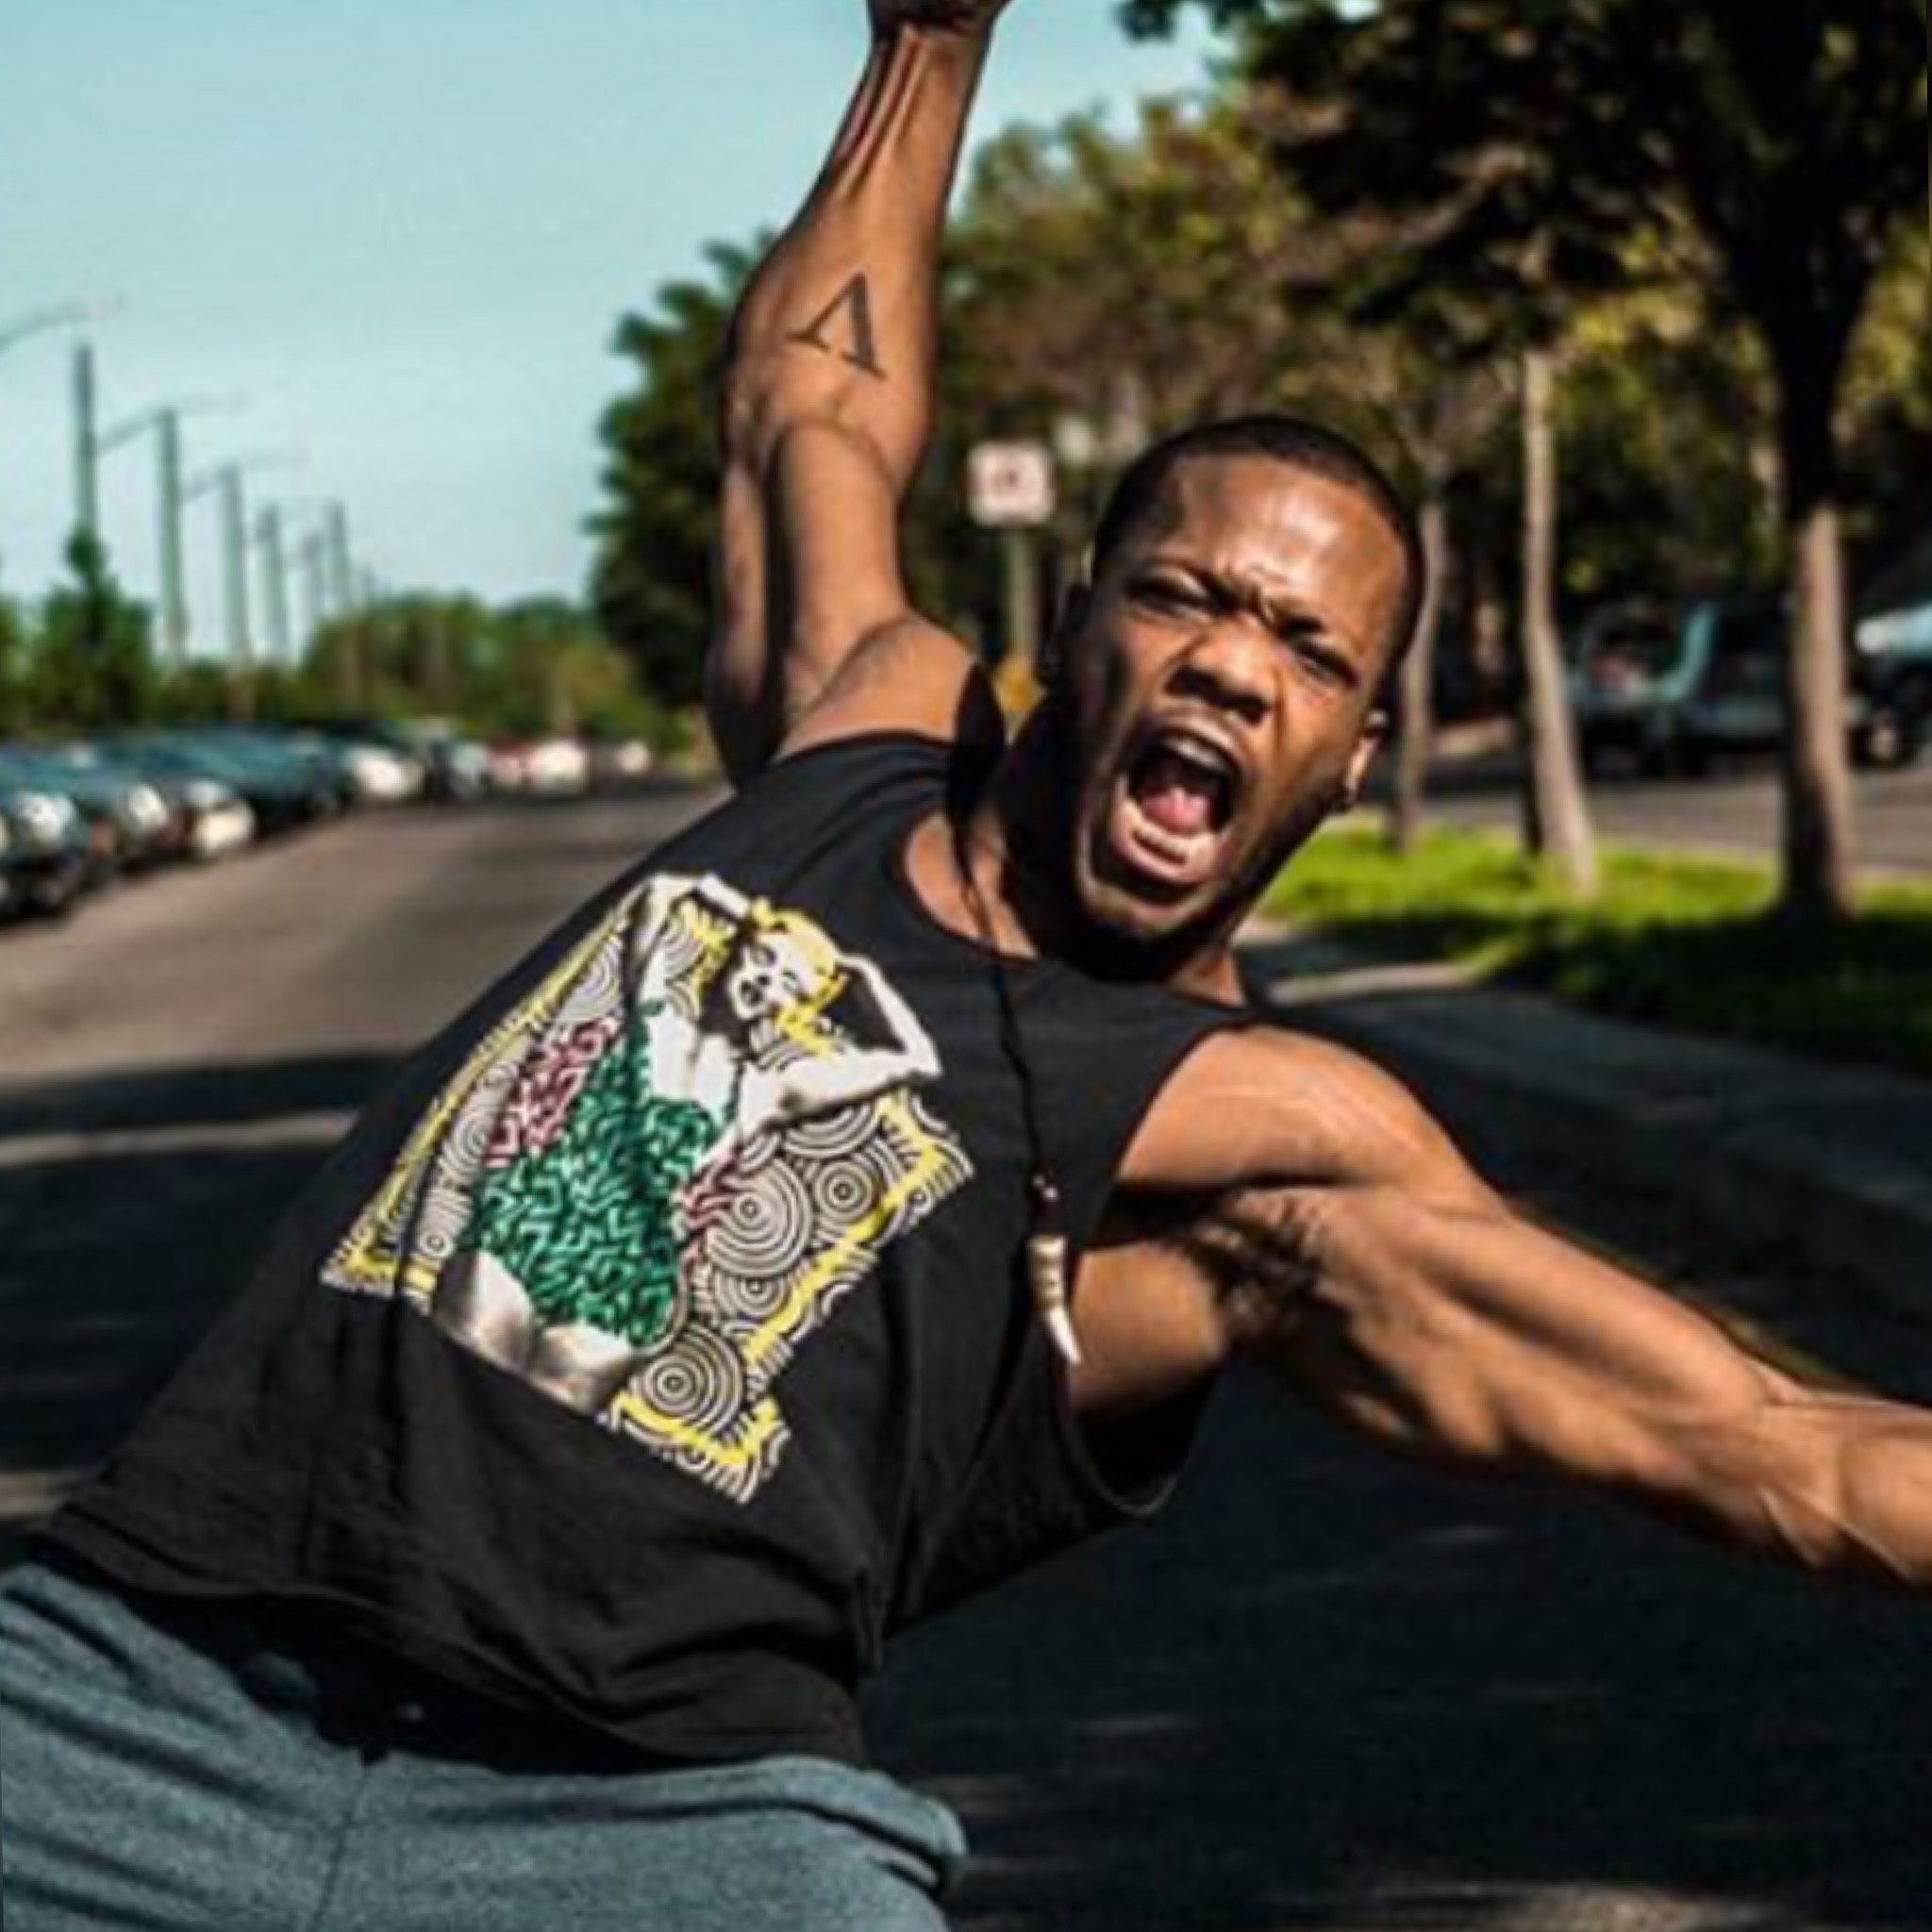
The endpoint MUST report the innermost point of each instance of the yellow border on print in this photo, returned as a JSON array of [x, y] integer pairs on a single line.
[[359, 1262]]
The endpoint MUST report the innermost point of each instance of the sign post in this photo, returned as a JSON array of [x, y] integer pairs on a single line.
[[1010, 488]]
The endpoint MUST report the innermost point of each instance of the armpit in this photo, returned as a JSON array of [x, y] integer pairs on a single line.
[[1252, 1251]]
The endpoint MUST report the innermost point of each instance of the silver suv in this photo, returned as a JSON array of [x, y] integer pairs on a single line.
[[1671, 689]]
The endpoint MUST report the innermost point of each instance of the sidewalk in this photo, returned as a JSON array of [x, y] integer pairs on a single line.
[[1826, 1163]]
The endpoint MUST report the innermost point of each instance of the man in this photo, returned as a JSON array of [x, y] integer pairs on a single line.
[[846, 1208]]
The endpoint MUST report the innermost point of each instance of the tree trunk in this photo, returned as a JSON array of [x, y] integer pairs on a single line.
[[1819, 842], [1560, 822], [1417, 741]]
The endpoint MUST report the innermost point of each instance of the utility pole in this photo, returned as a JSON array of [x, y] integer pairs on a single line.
[[234, 502], [172, 509], [227, 483], [274, 584], [65, 315], [170, 497], [86, 488], [341, 570]]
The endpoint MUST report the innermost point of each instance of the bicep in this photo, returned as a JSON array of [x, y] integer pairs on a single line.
[[816, 635]]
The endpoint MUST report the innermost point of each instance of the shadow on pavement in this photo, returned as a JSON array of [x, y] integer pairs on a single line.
[[1333, 1694], [130, 1207]]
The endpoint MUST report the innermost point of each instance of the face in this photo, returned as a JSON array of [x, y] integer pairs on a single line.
[[1218, 689], [771, 973]]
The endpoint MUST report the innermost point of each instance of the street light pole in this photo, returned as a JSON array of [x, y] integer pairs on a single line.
[[169, 499], [70, 315], [340, 566], [87, 489], [172, 509], [226, 482], [235, 558], [62, 315], [274, 584]]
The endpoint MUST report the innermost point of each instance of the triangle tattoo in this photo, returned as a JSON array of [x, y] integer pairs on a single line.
[[854, 300]]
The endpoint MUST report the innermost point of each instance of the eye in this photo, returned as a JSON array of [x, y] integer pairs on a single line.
[[1169, 595]]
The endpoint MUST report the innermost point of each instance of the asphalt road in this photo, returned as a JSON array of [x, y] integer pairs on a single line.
[[1326, 1693], [1735, 809]]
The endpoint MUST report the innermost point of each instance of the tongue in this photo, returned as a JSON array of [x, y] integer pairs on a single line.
[[1176, 796]]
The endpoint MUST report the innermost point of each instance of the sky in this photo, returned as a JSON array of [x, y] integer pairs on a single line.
[[397, 237]]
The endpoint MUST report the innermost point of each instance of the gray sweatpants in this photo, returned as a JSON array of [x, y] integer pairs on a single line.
[[152, 1777]]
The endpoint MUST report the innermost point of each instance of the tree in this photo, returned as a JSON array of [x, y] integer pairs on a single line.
[[1796, 136], [1888, 414], [1492, 258], [14, 644], [1790, 138], [92, 666], [651, 579]]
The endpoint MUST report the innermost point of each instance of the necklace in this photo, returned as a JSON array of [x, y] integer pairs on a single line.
[[1048, 1249]]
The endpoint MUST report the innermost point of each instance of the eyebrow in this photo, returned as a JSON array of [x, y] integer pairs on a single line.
[[1284, 615]]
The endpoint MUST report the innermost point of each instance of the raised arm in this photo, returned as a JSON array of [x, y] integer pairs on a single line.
[[1381, 1280], [826, 409]]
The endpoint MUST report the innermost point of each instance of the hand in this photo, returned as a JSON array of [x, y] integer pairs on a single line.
[[966, 17]]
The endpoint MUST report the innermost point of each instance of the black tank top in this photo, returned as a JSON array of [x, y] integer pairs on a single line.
[[661, 1341]]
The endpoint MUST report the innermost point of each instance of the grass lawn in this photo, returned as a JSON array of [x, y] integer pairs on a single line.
[[1691, 943]]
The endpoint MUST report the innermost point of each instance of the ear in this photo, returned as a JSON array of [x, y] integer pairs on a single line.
[[1374, 734], [1075, 602]]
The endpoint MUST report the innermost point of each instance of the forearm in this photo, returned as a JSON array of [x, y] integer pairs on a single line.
[[1848, 1487], [1461, 1334], [839, 324]]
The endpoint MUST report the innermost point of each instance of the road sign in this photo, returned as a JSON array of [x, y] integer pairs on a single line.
[[1009, 485]]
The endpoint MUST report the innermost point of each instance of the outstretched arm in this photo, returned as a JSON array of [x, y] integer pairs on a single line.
[[1381, 1280], [827, 406]]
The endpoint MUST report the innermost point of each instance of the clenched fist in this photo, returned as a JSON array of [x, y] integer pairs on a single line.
[[965, 17]]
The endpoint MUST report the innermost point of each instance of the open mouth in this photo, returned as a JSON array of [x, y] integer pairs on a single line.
[[1172, 811]]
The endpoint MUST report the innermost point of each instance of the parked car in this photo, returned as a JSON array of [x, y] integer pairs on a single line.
[[554, 766], [209, 819], [385, 763], [459, 766], [1673, 688], [45, 855], [281, 789], [1892, 715], [129, 825]]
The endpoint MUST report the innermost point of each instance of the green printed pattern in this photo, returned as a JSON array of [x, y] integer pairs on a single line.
[[588, 1225]]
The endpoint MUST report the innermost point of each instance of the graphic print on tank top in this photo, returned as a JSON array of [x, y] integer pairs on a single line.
[[665, 1169]]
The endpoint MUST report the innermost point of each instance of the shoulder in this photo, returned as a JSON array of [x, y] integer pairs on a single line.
[[1264, 1107], [908, 676]]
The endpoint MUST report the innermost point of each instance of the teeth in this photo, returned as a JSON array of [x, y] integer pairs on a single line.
[[1192, 755]]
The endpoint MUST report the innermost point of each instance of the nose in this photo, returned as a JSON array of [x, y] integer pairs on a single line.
[[1227, 666]]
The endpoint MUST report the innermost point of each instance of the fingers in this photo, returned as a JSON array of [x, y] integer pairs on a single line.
[[965, 17]]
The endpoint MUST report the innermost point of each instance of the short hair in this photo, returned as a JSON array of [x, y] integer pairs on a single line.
[[1298, 444]]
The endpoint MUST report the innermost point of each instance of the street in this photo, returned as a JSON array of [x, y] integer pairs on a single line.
[[1328, 1693], [1736, 809]]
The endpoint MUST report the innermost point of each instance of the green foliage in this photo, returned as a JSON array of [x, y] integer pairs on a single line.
[[1665, 430], [1789, 140], [540, 665], [1332, 234], [1888, 468], [661, 477], [13, 649], [89, 664], [1693, 942]]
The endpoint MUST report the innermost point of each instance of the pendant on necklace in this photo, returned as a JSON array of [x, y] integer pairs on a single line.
[[1046, 1271]]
